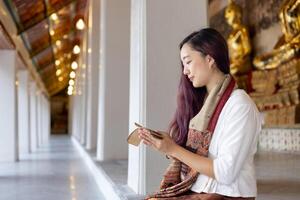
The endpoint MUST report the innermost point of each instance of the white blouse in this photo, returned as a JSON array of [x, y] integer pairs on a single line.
[[232, 149]]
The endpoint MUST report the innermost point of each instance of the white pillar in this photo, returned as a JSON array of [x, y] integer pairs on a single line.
[[42, 103], [47, 120], [71, 116], [76, 116], [83, 85], [8, 107], [114, 79], [80, 114], [41, 130], [23, 111], [33, 116], [154, 76], [39, 118], [77, 106], [92, 72], [43, 119]]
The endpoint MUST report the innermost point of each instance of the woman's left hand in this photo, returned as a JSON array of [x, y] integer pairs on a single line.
[[165, 145]]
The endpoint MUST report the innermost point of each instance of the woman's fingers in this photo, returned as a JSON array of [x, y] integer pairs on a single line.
[[148, 138], [157, 135], [146, 142], [145, 138]]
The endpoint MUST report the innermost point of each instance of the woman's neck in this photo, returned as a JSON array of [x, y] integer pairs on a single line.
[[215, 79]]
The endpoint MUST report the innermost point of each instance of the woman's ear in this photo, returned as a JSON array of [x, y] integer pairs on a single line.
[[210, 61]]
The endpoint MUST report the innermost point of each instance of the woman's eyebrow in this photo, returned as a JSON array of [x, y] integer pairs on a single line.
[[185, 57]]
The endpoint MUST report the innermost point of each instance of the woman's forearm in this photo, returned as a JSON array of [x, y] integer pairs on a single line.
[[199, 163]]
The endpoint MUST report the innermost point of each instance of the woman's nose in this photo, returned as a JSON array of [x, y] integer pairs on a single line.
[[185, 71]]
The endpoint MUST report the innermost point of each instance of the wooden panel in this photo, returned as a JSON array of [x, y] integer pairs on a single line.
[[5, 41]]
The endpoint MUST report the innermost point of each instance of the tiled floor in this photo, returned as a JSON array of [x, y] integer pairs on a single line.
[[54, 172]]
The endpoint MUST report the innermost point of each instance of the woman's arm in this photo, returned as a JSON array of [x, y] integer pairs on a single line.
[[239, 135], [199, 163], [166, 145]]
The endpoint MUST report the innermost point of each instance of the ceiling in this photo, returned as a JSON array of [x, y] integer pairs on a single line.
[[48, 31]]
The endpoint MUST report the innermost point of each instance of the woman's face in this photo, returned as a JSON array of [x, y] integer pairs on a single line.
[[196, 66]]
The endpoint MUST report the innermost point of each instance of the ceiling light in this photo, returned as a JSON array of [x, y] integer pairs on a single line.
[[57, 62], [80, 24], [76, 49], [74, 65], [70, 87], [58, 42], [71, 82], [52, 32], [72, 74], [54, 49], [54, 16], [58, 72], [60, 79], [70, 92]]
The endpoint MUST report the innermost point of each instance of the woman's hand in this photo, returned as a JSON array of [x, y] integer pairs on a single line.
[[165, 145]]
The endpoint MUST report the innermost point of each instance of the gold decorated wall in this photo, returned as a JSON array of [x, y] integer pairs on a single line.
[[264, 45], [260, 16]]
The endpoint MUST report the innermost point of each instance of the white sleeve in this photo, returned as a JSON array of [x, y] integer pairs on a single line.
[[238, 135]]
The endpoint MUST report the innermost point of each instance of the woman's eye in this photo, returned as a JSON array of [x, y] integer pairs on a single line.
[[188, 62]]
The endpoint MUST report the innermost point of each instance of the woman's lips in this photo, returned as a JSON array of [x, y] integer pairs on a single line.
[[191, 78]]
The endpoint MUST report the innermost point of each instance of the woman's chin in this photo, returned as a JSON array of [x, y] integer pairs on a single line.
[[197, 85]]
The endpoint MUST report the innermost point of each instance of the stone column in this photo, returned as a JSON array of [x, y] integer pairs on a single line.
[[23, 111], [113, 109], [157, 28], [92, 73], [33, 116], [39, 118], [81, 80], [47, 124], [8, 107]]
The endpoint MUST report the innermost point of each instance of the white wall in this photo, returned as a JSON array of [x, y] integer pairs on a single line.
[[157, 28]]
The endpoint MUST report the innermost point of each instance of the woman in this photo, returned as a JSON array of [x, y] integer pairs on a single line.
[[213, 136]]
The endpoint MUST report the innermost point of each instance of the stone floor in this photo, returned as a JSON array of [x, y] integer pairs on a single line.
[[57, 172], [54, 172], [278, 176]]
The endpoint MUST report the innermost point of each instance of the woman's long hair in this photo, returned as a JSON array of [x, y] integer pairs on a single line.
[[190, 100]]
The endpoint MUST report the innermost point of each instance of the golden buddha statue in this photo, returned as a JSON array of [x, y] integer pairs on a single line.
[[238, 41], [288, 46]]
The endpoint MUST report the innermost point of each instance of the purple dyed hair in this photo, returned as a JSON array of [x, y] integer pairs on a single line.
[[190, 100]]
